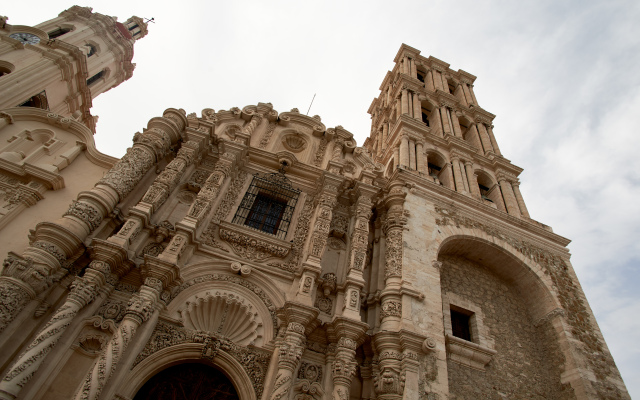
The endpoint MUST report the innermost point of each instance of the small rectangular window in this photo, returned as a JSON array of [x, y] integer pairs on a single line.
[[460, 325]]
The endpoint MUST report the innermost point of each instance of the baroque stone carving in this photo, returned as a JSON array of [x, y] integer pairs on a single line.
[[127, 172], [86, 213], [223, 314], [267, 135], [310, 372], [300, 236], [391, 308], [230, 197], [234, 280], [250, 247]]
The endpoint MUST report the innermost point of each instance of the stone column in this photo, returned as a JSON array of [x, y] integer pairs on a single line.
[[437, 79], [509, 196], [457, 174], [379, 140], [343, 368], [396, 156], [446, 128], [389, 376], [492, 138], [414, 69], [405, 102], [417, 108], [296, 317], [463, 177], [456, 123], [141, 306], [467, 94], [412, 154], [404, 151], [55, 241], [445, 84], [486, 143], [462, 97], [472, 178], [420, 157], [429, 81], [473, 95], [519, 199], [83, 291], [385, 132], [475, 137]]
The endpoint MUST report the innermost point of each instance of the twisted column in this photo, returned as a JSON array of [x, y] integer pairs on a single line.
[[83, 291], [141, 306], [23, 279], [290, 353], [343, 368]]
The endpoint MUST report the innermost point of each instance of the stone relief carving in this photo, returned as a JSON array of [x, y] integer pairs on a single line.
[[391, 308], [128, 171], [311, 372], [250, 247], [267, 135], [86, 213], [253, 360], [317, 161], [224, 314], [230, 197], [233, 280], [299, 238]]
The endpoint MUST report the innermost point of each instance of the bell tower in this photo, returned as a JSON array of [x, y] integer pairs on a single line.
[[427, 121], [62, 64]]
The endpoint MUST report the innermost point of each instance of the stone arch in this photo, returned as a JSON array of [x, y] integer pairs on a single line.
[[529, 278], [187, 352]]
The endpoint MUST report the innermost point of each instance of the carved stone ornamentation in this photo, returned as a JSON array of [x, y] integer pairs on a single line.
[[127, 172], [230, 197], [250, 247], [391, 308], [86, 213]]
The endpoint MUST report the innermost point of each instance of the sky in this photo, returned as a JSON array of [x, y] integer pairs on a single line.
[[561, 76]]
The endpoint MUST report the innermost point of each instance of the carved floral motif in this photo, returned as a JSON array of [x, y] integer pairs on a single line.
[[250, 247]]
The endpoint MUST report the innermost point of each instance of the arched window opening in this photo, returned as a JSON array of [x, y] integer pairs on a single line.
[[58, 32], [421, 76], [489, 191], [95, 78], [91, 50], [37, 101], [436, 168], [425, 117]]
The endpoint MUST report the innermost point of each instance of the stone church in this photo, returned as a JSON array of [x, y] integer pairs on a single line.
[[252, 253]]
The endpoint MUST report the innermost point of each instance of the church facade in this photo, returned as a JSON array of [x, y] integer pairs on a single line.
[[258, 254]]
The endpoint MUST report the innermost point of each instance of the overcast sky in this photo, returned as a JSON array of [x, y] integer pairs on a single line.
[[562, 77]]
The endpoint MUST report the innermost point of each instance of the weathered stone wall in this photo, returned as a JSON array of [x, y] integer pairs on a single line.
[[526, 365]]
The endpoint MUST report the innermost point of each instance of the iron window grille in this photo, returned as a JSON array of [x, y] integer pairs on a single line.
[[268, 204]]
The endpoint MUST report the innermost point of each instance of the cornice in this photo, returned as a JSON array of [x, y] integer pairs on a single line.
[[474, 209], [70, 125]]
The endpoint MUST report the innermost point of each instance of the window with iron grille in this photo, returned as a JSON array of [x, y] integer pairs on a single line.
[[268, 204]]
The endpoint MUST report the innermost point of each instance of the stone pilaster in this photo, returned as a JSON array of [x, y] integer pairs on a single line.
[[389, 377], [349, 333], [494, 143], [417, 108], [404, 151]]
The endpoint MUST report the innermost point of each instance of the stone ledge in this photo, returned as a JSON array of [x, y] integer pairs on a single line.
[[468, 353]]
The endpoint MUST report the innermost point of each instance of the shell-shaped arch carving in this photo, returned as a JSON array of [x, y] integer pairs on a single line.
[[223, 314]]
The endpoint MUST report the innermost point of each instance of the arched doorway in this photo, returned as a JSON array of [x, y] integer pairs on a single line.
[[189, 381]]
